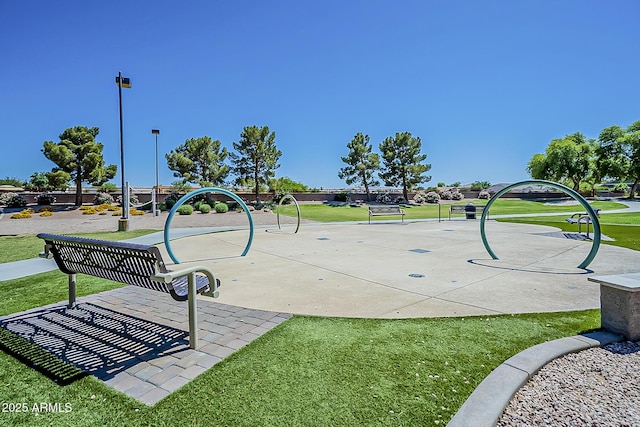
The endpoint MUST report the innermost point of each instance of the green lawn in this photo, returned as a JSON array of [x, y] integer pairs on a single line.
[[25, 246], [312, 371], [624, 228], [327, 213]]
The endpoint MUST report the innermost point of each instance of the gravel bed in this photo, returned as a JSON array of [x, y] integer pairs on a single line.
[[594, 387]]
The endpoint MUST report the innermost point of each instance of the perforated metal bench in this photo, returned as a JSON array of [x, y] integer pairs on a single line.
[[385, 210], [132, 264], [582, 218]]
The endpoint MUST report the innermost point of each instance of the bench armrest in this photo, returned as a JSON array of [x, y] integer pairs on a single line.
[[172, 275]]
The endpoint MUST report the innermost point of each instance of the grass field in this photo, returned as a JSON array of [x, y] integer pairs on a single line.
[[328, 213], [25, 246]]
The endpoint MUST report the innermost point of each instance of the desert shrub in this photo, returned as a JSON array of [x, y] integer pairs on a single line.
[[45, 199], [383, 198], [134, 211], [446, 195], [221, 207], [185, 210], [103, 199], [484, 194], [204, 208], [16, 201], [46, 213], [24, 214], [133, 199], [420, 198], [5, 197], [432, 197], [89, 211], [456, 195]]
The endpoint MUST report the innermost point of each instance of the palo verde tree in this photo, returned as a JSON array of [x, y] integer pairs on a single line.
[[199, 161], [257, 157], [402, 162], [361, 163], [568, 160], [618, 154], [79, 155]]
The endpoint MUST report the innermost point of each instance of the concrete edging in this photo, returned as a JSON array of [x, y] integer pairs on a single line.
[[488, 400]]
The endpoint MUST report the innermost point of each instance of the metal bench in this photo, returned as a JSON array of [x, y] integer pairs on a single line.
[[132, 264], [386, 210], [582, 218], [463, 209]]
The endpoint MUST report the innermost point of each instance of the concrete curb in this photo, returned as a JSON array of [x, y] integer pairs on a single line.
[[487, 402]]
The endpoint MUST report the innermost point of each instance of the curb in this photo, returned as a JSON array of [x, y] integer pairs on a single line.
[[487, 402]]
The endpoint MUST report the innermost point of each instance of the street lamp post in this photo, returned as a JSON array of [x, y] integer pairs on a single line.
[[155, 132], [123, 223]]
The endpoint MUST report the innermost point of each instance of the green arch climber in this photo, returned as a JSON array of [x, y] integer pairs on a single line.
[[592, 216]]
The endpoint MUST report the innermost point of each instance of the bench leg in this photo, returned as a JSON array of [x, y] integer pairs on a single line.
[[193, 321], [72, 290]]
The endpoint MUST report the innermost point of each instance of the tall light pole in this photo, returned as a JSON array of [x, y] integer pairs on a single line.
[[155, 132], [123, 223]]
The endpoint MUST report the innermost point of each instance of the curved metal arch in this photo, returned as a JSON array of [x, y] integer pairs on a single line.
[[289, 196], [592, 216], [180, 202]]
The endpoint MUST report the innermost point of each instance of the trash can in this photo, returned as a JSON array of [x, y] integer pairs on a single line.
[[470, 211]]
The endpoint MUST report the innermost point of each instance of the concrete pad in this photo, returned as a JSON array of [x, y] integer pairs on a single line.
[[411, 269]]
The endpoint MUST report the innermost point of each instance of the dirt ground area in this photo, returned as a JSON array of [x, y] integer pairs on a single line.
[[69, 219]]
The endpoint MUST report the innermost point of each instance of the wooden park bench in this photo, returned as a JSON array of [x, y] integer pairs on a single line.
[[582, 218], [386, 210], [462, 209], [132, 264]]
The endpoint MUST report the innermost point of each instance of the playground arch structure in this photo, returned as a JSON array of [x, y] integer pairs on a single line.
[[293, 199], [183, 199], [592, 215]]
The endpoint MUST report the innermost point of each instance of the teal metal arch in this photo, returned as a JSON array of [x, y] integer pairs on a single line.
[[180, 202], [289, 196], [592, 215]]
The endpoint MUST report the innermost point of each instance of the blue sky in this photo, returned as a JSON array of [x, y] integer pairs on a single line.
[[484, 84]]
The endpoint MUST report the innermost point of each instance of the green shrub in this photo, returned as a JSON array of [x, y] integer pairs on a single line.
[[221, 207], [16, 201], [45, 199], [185, 210], [204, 208], [197, 204], [169, 203]]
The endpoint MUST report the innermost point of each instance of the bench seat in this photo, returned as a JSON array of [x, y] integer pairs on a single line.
[[386, 210]]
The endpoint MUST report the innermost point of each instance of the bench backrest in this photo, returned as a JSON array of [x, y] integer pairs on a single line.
[[461, 208], [128, 263], [384, 209]]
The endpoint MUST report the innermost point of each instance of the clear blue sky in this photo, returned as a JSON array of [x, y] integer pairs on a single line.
[[484, 84]]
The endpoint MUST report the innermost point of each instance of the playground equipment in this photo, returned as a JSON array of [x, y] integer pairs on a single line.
[[590, 212], [289, 196], [183, 199]]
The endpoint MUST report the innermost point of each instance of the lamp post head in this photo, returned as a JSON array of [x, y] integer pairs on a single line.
[[155, 131], [124, 82]]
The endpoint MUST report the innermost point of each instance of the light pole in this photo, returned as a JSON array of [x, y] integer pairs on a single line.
[[123, 223], [155, 132]]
